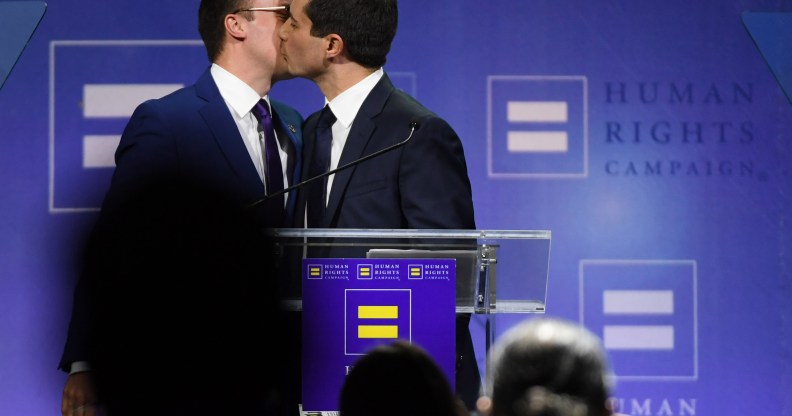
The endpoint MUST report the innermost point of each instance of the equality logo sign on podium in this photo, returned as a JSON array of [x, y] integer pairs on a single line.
[[353, 305]]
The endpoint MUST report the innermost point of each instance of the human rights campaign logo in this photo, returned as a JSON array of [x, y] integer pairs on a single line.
[[415, 272], [315, 271], [375, 316], [645, 311], [94, 88], [365, 271], [537, 127]]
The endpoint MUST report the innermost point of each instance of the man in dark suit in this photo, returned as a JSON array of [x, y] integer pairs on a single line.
[[169, 315], [342, 45]]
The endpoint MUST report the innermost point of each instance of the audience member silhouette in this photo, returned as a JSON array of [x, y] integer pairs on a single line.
[[398, 379], [547, 367]]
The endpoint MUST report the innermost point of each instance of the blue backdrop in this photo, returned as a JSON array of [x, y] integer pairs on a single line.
[[665, 172]]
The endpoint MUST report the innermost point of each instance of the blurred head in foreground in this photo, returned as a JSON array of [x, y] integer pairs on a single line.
[[398, 379], [547, 367]]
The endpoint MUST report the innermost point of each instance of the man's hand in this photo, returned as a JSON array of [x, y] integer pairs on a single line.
[[79, 395]]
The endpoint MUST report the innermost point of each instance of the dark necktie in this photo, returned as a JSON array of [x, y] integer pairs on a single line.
[[320, 163], [273, 170], [273, 175]]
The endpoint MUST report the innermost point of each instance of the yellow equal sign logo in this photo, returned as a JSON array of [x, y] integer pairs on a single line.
[[416, 272], [314, 271], [364, 271], [378, 331]]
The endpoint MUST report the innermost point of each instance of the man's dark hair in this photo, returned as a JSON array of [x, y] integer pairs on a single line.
[[366, 26], [548, 364], [211, 24]]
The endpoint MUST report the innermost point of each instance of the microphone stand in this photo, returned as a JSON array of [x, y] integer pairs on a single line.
[[413, 126]]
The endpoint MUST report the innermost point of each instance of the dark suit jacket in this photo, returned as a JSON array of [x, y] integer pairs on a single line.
[[423, 184], [190, 135], [176, 274]]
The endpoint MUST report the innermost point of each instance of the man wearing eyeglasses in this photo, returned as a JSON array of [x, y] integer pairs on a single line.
[[342, 46], [167, 316]]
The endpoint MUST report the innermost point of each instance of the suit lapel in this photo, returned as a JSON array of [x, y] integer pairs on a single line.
[[287, 124], [308, 142], [226, 133], [363, 129], [290, 129]]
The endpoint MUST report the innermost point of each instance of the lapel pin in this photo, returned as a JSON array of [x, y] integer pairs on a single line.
[[293, 130]]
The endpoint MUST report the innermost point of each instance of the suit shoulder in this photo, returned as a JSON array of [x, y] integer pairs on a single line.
[[402, 101], [165, 115], [177, 101], [286, 112], [403, 106]]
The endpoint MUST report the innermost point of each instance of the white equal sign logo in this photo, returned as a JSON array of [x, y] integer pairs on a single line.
[[108, 101], [542, 141], [641, 303]]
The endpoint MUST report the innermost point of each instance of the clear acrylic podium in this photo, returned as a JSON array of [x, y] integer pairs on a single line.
[[498, 271]]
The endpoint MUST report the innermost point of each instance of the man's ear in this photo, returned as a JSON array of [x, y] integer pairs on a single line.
[[236, 26], [334, 46]]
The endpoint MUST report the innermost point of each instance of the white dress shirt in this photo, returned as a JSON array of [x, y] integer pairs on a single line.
[[345, 106], [240, 99]]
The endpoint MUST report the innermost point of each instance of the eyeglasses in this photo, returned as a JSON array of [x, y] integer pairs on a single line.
[[285, 8]]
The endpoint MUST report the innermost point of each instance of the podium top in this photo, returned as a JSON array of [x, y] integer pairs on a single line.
[[496, 270], [18, 21], [408, 233]]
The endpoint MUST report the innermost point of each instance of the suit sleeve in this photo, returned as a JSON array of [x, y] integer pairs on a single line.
[[146, 155], [433, 179]]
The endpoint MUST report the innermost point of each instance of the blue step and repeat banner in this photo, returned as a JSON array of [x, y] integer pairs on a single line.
[[649, 136]]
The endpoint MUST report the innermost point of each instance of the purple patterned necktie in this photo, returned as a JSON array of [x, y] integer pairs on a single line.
[[273, 176], [273, 170], [316, 194]]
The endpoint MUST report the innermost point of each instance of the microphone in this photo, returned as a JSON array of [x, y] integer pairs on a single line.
[[414, 125]]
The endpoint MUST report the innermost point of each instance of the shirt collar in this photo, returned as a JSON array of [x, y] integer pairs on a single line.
[[346, 105], [239, 97]]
